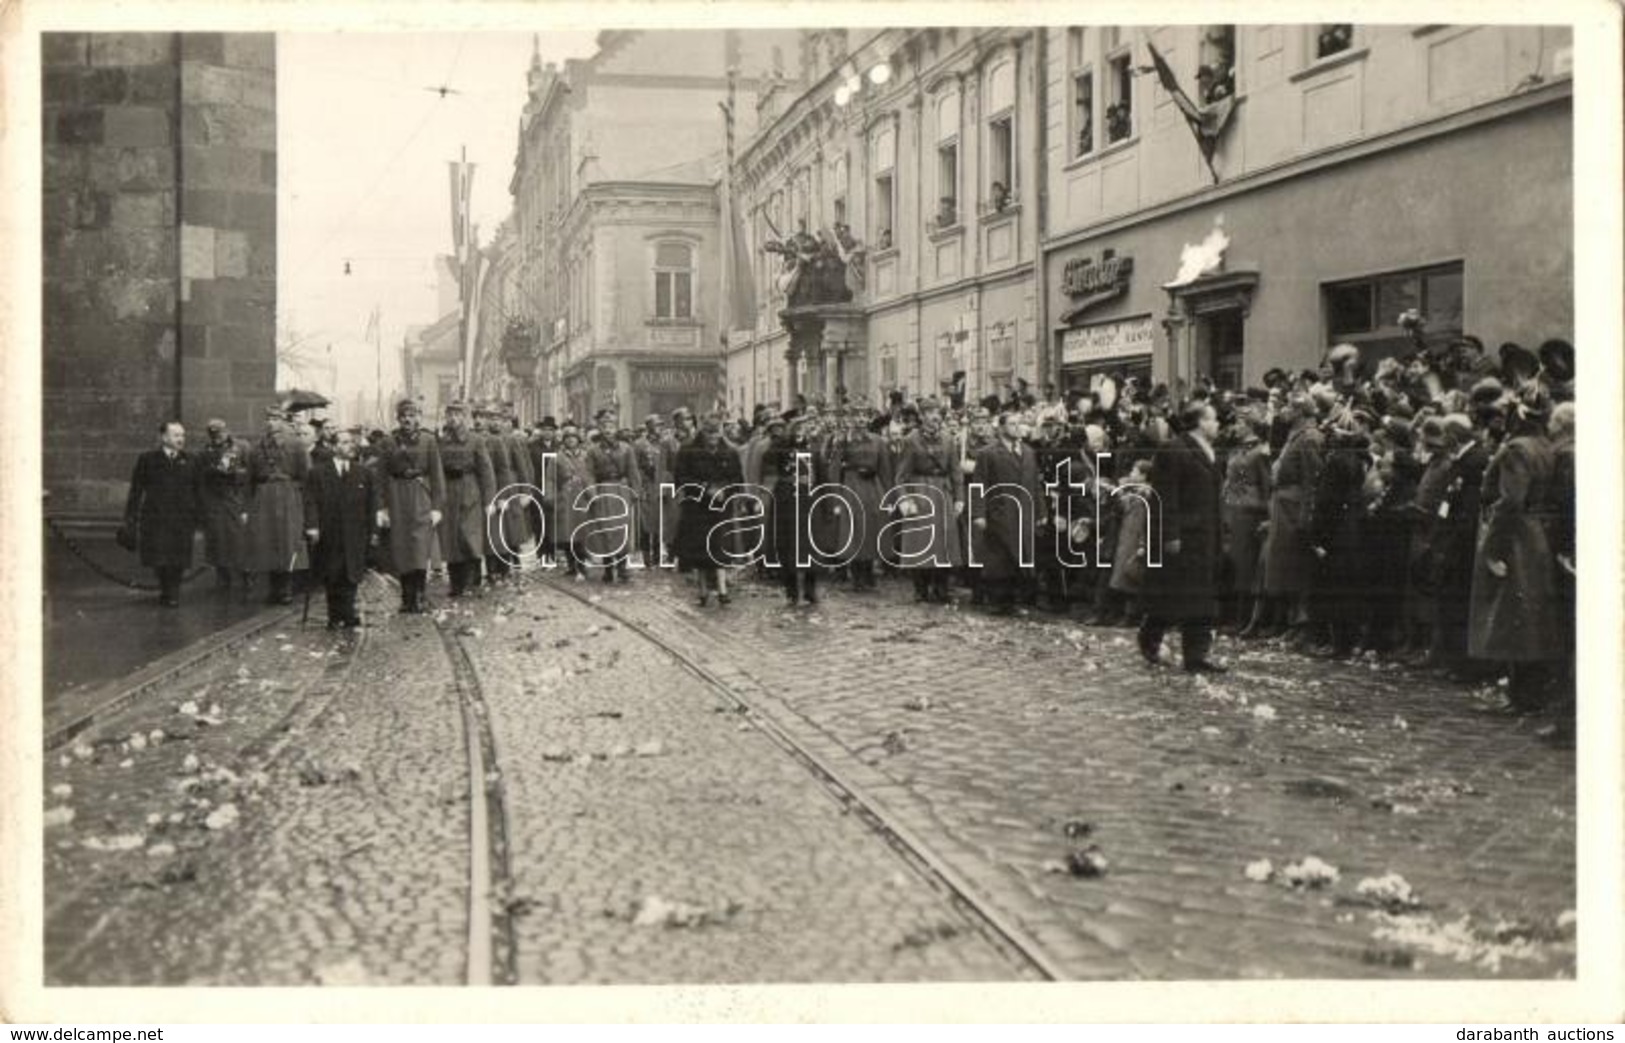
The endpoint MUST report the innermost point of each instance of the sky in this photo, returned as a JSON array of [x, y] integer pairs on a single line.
[[362, 144]]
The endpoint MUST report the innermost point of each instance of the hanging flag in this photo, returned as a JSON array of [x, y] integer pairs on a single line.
[[462, 189], [739, 289], [1207, 122]]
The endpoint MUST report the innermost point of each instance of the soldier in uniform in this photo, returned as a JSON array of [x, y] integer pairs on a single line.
[[572, 480], [524, 473], [276, 511], [653, 472], [341, 503], [161, 512], [613, 468], [864, 469], [470, 487], [544, 475], [414, 496], [930, 462], [513, 532], [223, 480], [796, 468], [709, 463]]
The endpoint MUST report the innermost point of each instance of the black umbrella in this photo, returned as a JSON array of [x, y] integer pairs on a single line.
[[296, 401]]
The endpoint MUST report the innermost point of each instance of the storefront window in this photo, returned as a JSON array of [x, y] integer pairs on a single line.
[[1366, 311]]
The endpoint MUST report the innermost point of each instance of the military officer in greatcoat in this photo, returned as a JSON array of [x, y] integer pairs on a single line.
[[276, 510], [511, 531], [161, 512], [413, 500], [525, 475], [572, 479], [614, 470], [864, 468], [223, 491], [341, 508], [929, 467], [470, 488], [654, 471], [543, 444]]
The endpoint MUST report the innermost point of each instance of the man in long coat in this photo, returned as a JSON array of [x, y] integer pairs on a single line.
[[161, 512], [276, 511], [710, 464], [615, 472], [1288, 562], [341, 505], [929, 463], [222, 475], [654, 471], [571, 480], [545, 476], [1452, 541], [1515, 603], [864, 469], [512, 531], [414, 497], [470, 486], [1184, 591], [1006, 513]]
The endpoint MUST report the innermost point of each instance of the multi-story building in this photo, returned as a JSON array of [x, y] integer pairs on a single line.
[[1357, 172], [615, 211], [926, 145], [497, 305]]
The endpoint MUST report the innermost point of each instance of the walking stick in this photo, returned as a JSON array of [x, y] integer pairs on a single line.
[[304, 616]]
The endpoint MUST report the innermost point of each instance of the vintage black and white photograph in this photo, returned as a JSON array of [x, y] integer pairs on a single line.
[[809, 504]]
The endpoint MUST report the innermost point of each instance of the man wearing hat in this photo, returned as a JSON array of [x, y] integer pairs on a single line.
[[161, 511], [1005, 518], [863, 467], [1557, 369], [928, 472], [276, 511], [510, 466], [1451, 533], [649, 453], [341, 504], [413, 497], [573, 479], [544, 515], [470, 488], [223, 478], [614, 473]]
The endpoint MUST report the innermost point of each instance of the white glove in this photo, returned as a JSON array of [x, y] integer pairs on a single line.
[[434, 517], [959, 508], [908, 509], [383, 519]]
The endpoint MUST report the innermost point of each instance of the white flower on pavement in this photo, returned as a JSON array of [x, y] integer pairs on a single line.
[[62, 791], [1264, 712], [160, 850], [1390, 890], [122, 842], [83, 751], [138, 742], [1260, 872], [223, 817], [58, 817], [189, 708], [1311, 872], [191, 763]]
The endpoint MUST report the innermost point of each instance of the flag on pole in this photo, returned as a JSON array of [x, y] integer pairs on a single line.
[[739, 290], [1207, 122], [462, 189]]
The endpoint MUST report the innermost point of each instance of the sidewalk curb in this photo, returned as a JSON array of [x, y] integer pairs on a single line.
[[108, 699]]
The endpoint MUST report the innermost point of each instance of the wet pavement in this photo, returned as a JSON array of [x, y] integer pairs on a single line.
[[127, 628], [1290, 819]]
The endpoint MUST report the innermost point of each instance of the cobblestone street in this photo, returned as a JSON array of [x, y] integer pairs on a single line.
[[868, 790]]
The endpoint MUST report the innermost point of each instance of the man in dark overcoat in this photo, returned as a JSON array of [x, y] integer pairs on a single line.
[[1184, 590], [161, 512], [341, 504], [412, 499], [1006, 513], [222, 474], [470, 487]]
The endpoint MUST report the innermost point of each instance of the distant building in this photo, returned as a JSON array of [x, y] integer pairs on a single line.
[[921, 142], [432, 363], [160, 249], [498, 304], [615, 211], [1363, 170]]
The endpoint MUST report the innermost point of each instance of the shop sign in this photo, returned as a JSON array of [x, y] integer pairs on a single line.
[[674, 338], [1090, 282], [669, 378], [1108, 341]]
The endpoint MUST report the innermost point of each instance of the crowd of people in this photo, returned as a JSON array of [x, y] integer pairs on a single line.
[[1419, 509]]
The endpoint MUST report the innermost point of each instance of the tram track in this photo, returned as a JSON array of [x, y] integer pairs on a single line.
[[999, 929], [492, 954]]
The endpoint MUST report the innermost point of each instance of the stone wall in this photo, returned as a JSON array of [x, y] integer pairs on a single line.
[[159, 250]]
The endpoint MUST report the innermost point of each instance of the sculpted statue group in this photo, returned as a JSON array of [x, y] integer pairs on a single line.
[[821, 269]]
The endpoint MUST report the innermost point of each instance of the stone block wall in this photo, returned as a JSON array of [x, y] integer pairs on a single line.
[[159, 212]]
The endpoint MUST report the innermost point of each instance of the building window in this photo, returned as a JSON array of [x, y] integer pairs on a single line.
[[1216, 76], [1001, 349], [888, 367], [1333, 39], [1083, 109], [948, 161], [674, 281], [1366, 311], [1120, 97], [837, 180], [947, 356], [884, 208], [1001, 135]]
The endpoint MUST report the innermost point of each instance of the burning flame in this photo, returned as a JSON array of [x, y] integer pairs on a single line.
[[1206, 256]]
